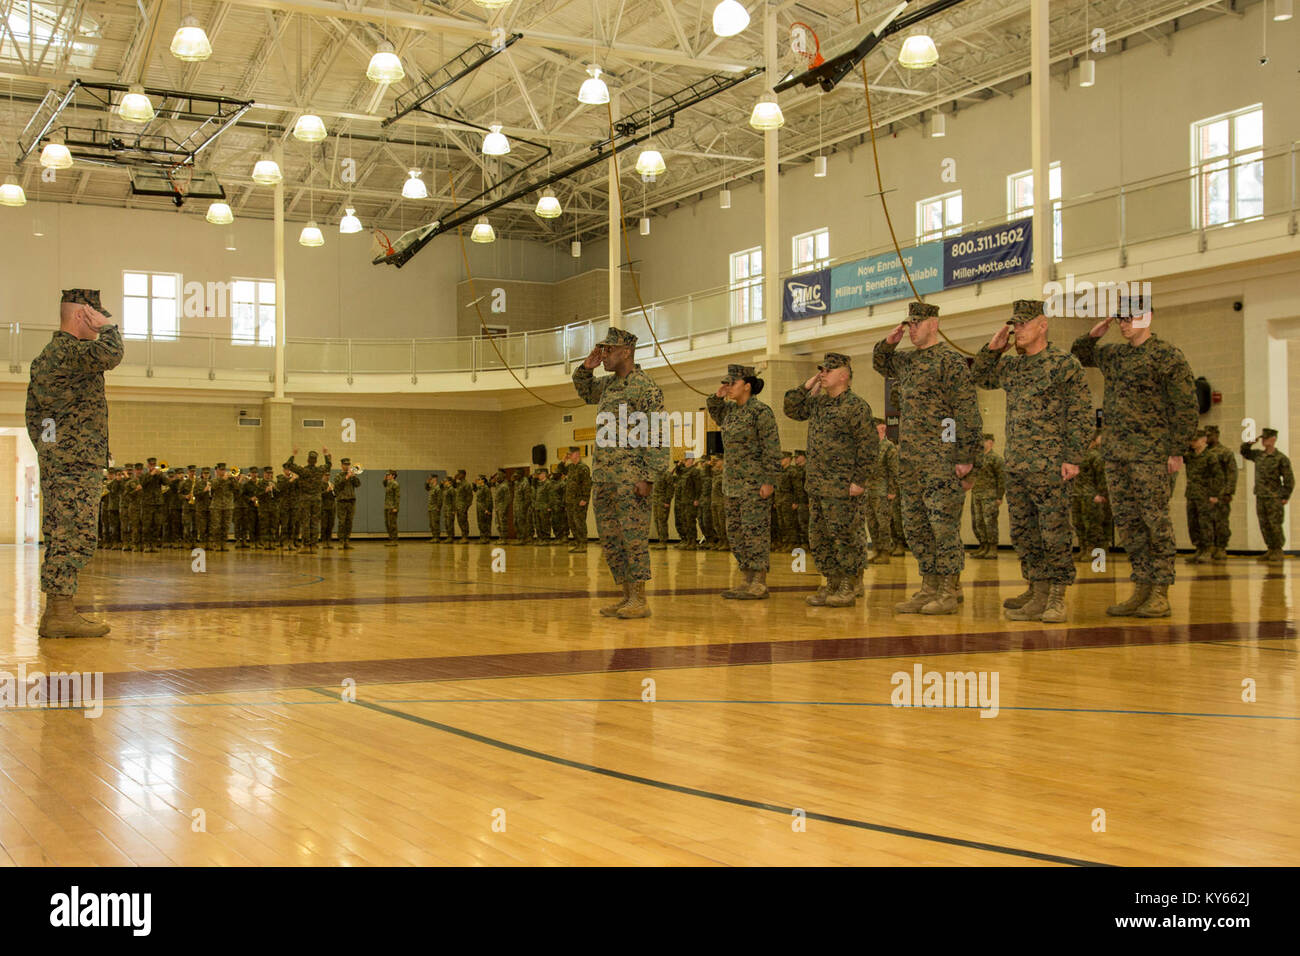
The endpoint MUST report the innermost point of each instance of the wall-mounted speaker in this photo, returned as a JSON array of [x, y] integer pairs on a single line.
[[539, 454]]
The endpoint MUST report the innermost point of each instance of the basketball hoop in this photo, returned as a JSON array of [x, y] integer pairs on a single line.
[[380, 246], [805, 45], [180, 177]]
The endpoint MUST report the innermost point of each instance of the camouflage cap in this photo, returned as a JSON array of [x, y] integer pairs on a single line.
[[1132, 306], [191, 467], [345, 461], [152, 461], [268, 470], [1268, 433], [1026, 310], [205, 468], [616, 337], [88, 297], [988, 436], [1212, 429], [221, 464], [311, 455], [786, 454], [737, 372], [877, 421], [922, 310], [834, 360], [1200, 433], [800, 453], [138, 464]]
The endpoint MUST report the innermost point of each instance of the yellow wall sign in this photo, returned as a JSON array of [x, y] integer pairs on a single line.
[[584, 434]]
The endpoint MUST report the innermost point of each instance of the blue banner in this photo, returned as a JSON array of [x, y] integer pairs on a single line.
[[856, 285], [988, 254], [806, 295]]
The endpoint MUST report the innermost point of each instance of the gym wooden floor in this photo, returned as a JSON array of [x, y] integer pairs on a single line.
[[489, 699]]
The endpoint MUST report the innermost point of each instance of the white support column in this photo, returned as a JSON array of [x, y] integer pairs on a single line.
[[771, 198], [615, 232], [1040, 89], [279, 279]]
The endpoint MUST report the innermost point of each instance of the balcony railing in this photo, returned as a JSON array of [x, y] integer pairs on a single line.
[[1161, 207]]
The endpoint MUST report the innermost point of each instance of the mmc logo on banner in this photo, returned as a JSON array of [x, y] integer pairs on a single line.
[[934, 266]]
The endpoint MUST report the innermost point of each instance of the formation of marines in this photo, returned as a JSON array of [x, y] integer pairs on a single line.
[[842, 498]]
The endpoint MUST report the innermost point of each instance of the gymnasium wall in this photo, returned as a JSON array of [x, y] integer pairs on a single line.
[[1102, 138], [529, 306]]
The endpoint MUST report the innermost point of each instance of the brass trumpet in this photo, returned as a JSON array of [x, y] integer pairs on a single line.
[[356, 468], [162, 465], [234, 472]]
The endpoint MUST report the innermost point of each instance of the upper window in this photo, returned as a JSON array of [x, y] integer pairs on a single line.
[[252, 312], [938, 216], [1020, 200], [150, 304], [747, 286], [1228, 167], [38, 34], [812, 250]]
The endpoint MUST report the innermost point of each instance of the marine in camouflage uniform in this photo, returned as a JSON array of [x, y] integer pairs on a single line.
[[543, 507], [1274, 482], [525, 500], [131, 509], [202, 506], [800, 469], [464, 499], [286, 489], [624, 469], [392, 505], [881, 496], [483, 508], [939, 437], [67, 422], [268, 509], [311, 484], [753, 446], [1049, 424], [686, 494], [221, 509], [1227, 465], [842, 450], [111, 510], [345, 501], [1090, 517], [328, 506], [434, 495], [986, 499], [1149, 410], [240, 509], [717, 478], [1205, 481], [501, 505], [577, 492], [665, 488], [786, 529], [185, 494], [152, 514]]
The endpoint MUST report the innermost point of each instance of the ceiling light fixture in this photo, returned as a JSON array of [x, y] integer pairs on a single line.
[[1088, 73], [311, 235], [11, 194], [650, 164], [482, 231], [938, 126], [385, 66], [56, 156], [918, 52], [1282, 10], [548, 207], [266, 172], [190, 42], [767, 113], [724, 198], [310, 128], [135, 106], [594, 92], [219, 214], [495, 142], [414, 187], [575, 249], [729, 18], [349, 223]]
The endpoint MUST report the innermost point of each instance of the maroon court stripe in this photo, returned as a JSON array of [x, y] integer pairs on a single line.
[[208, 680]]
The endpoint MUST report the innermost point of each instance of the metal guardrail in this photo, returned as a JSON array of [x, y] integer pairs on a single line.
[[1160, 207]]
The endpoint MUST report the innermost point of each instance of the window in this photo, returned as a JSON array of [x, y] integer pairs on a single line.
[[812, 250], [747, 286], [1020, 200], [1227, 161], [150, 304], [938, 216], [44, 37], [252, 312]]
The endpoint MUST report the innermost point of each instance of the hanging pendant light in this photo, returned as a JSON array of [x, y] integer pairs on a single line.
[[1088, 73], [219, 214], [190, 42], [135, 106], [1282, 10], [11, 194], [594, 92], [230, 240], [349, 223], [644, 226], [495, 142], [266, 172], [938, 126], [575, 249], [767, 113], [385, 66], [310, 128], [918, 52], [548, 207], [311, 235], [724, 198], [650, 164], [482, 231], [56, 156], [729, 18], [414, 187], [819, 167]]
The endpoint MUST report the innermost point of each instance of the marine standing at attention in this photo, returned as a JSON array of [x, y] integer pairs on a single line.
[[624, 468], [67, 421], [753, 449]]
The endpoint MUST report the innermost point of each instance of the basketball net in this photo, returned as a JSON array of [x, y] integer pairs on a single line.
[[805, 45], [379, 244]]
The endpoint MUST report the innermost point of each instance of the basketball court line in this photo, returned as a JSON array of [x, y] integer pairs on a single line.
[[788, 812], [249, 677]]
